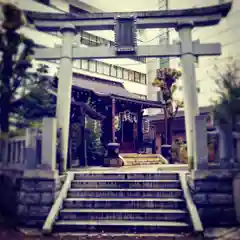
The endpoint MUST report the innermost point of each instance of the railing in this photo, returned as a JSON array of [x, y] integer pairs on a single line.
[[192, 209], [56, 207]]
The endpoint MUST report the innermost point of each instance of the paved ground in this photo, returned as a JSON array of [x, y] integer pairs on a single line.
[[216, 234], [223, 233]]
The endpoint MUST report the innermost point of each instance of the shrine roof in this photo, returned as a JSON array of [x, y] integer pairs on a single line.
[[85, 107], [107, 88]]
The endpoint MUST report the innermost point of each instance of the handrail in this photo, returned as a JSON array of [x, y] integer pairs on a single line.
[[48, 224], [196, 221]]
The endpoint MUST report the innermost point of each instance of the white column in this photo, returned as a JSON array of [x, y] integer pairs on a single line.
[[65, 87], [189, 88], [49, 142]]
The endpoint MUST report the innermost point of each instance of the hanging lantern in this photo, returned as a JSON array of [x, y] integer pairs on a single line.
[[116, 122]]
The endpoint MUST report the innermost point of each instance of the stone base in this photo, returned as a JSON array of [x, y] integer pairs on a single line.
[[30, 195], [113, 162], [37, 193], [212, 192]]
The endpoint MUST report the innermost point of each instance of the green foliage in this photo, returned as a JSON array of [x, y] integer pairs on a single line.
[[95, 149], [23, 94], [166, 79], [227, 108]]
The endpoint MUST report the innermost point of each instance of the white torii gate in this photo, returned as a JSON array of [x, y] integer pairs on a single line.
[[182, 20]]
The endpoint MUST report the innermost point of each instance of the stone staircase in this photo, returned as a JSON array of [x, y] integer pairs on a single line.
[[124, 203]]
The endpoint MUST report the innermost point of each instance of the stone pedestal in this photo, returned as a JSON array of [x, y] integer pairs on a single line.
[[112, 158], [212, 192], [225, 142], [38, 190]]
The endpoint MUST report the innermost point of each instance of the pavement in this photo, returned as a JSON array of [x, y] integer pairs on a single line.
[[223, 233], [210, 233]]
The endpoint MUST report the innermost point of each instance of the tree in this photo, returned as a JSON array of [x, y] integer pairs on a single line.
[[23, 95], [95, 149], [227, 107], [166, 80]]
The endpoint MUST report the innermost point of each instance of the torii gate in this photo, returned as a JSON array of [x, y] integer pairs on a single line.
[[125, 25]]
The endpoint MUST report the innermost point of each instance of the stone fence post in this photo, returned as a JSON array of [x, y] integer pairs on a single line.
[[30, 149], [49, 141]]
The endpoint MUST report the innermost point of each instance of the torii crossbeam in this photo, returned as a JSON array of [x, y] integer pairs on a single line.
[[182, 20]]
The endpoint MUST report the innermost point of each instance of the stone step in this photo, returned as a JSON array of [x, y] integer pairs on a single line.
[[126, 236], [126, 176], [122, 193], [122, 226], [124, 214], [126, 184], [124, 203]]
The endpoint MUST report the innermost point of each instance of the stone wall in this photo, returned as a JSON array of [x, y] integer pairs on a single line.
[[28, 195], [212, 192], [9, 186]]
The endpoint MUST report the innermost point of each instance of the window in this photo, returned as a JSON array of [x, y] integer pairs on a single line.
[[99, 67], [143, 78], [84, 64], [119, 72], [93, 40], [76, 10], [140, 96], [125, 74], [98, 40], [92, 66], [104, 42], [131, 75], [77, 63], [106, 69], [46, 2], [137, 77], [84, 38], [113, 71]]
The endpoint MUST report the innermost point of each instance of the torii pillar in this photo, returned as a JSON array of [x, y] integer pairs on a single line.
[[190, 90], [68, 32]]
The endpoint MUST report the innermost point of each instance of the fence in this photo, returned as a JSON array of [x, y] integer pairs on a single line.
[[22, 151]]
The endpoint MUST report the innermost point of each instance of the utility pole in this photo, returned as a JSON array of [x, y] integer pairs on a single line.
[[163, 62], [163, 34]]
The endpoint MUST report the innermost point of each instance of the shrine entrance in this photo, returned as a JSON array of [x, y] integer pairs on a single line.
[[129, 121]]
